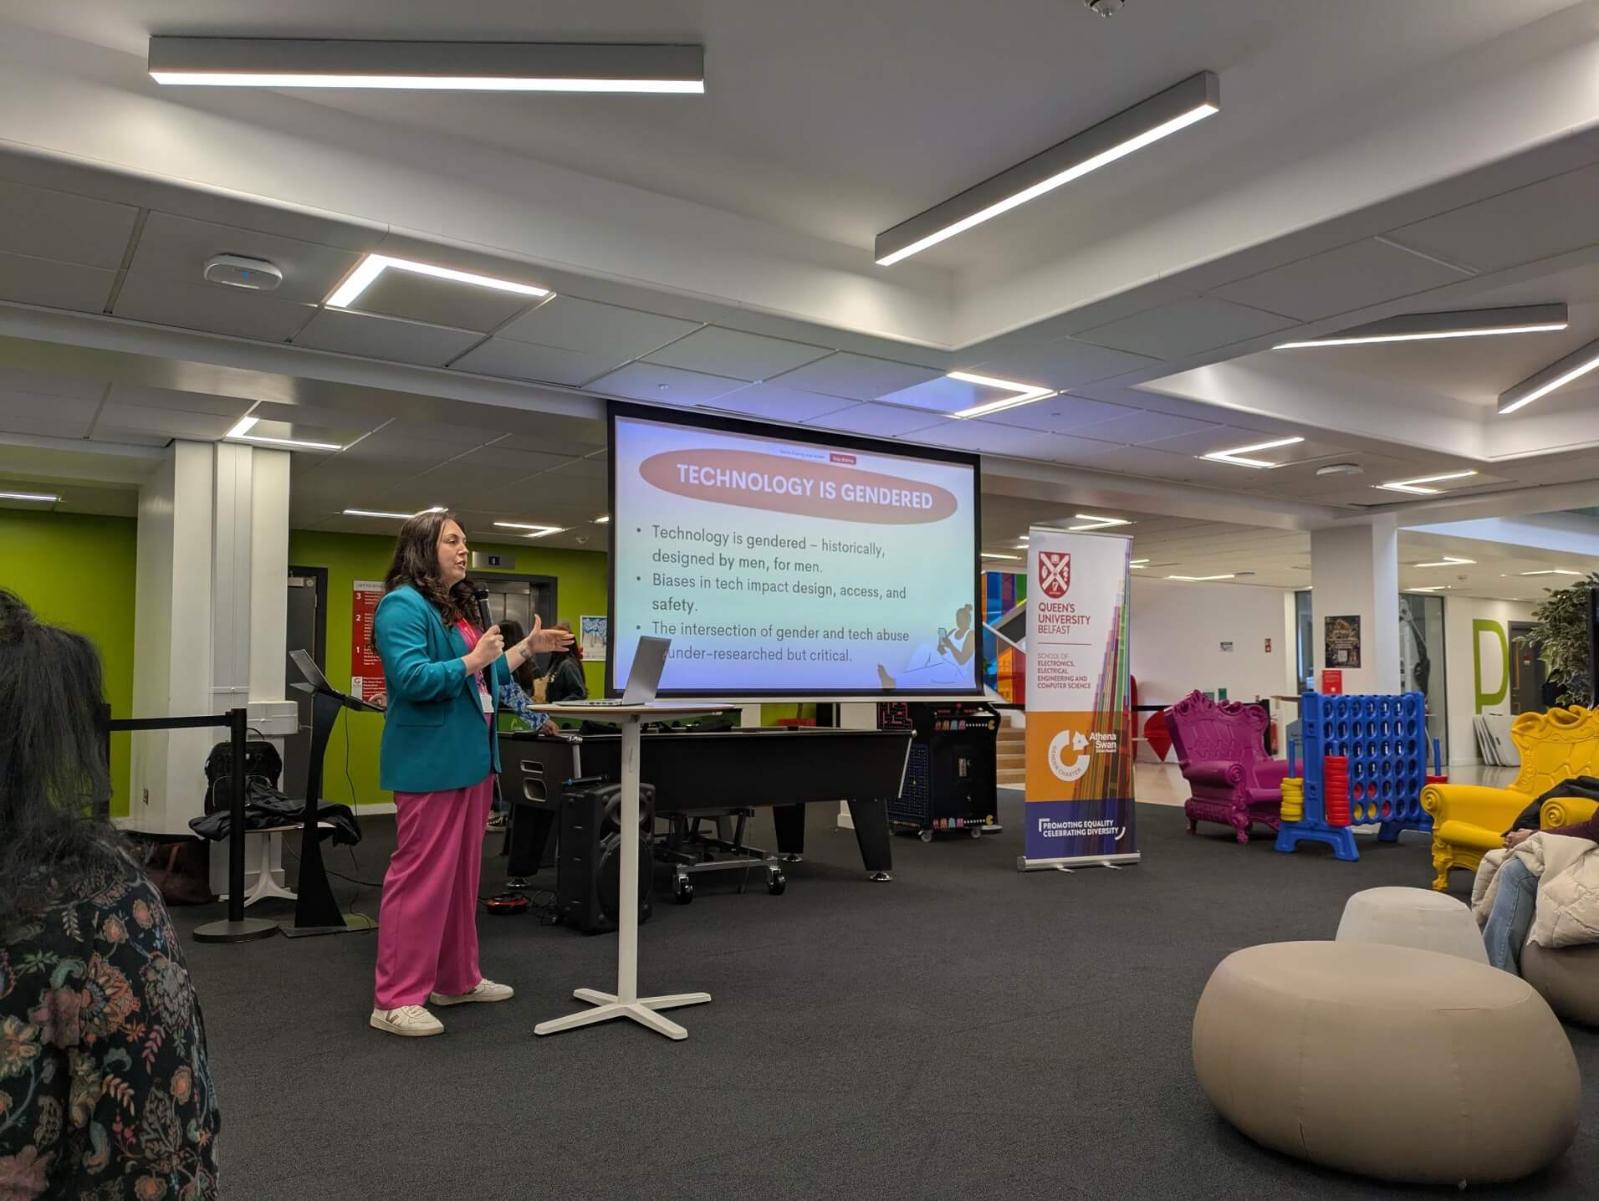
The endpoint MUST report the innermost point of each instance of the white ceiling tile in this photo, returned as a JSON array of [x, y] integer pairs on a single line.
[[211, 308], [508, 464], [857, 377], [171, 423], [44, 383], [384, 338], [64, 227], [1535, 222], [944, 395], [1340, 281], [46, 416], [885, 421], [1185, 328], [177, 248], [777, 403], [1209, 437], [989, 438], [1058, 362], [173, 398], [522, 360], [413, 297], [53, 284], [736, 354], [557, 435], [664, 385], [1142, 427], [1064, 414], [604, 330]]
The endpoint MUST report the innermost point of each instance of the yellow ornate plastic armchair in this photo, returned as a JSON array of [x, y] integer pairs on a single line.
[[1471, 819]]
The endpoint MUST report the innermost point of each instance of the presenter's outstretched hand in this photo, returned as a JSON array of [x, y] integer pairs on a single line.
[[489, 648], [541, 641]]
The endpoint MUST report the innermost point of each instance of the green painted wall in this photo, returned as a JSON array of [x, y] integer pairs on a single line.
[[78, 572], [349, 557]]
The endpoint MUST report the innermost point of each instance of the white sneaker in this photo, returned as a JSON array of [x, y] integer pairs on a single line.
[[408, 1021], [486, 990]]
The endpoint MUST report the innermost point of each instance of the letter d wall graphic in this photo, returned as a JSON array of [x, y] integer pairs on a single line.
[[1079, 806]]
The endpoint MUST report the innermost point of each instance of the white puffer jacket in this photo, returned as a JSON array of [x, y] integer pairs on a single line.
[[1568, 888]]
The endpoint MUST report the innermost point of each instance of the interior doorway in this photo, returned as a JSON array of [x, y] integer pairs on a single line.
[[518, 597], [307, 630], [1528, 673]]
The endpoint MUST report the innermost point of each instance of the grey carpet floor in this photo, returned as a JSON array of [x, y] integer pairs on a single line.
[[966, 1031]]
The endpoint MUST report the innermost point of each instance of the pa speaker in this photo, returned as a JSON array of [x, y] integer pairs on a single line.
[[588, 874]]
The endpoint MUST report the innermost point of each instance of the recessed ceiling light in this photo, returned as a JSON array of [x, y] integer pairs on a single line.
[[1138, 563], [1446, 561], [987, 555], [431, 66], [43, 498], [1237, 455], [1428, 588], [1417, 486], [374, 265], [395, 516], [241, 433], [1161, 115], [1096, 523], [1550, 571], [1340, 469], [1194, 579], [1427, 327], [534, 531], [602, 520], [1557, 375], [1025, 394]]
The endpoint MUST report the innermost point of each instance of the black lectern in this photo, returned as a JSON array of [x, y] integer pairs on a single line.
[[315, 910]]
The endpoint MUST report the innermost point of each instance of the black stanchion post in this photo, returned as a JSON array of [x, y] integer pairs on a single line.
[[236, 927]]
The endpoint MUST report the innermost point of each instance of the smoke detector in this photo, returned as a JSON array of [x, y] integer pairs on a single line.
[[1340, 469], [1105, 8], [236, 271]]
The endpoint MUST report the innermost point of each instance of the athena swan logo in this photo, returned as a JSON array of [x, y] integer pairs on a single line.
[[1069, 741]]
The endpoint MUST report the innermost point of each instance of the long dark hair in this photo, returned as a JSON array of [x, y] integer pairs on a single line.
[[52, 766], [524, 675], [416, 562]]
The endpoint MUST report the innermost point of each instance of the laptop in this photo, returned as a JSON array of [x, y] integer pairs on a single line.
[[643, 678]]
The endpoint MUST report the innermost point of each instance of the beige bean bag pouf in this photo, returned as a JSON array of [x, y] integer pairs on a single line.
[[1391, 1062], [1413, 917], [1568, 978]]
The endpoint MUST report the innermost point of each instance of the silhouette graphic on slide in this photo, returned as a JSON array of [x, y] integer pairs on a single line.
[[938, 664]]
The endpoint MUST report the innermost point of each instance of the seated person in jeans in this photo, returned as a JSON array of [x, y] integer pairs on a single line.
[[1517, 900]]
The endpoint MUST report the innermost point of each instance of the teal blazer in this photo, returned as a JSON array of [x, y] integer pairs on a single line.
[[434, 735]]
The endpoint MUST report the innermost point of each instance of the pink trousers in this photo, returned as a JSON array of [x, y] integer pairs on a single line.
[[427, 922]]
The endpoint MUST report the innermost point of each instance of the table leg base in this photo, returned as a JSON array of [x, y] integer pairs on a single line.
[[643, 1011]]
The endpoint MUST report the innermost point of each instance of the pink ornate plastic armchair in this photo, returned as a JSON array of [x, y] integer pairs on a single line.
[[1220, 751]]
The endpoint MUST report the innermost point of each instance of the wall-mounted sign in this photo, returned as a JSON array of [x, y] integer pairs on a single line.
[[1227, 648], [482, 559], [1343, 641]]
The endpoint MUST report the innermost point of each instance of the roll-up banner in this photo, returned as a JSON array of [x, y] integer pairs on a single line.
[[1079, 720]]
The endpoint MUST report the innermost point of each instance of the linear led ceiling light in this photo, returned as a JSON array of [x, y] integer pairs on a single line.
[[1428, 588], [1095, 523], [241, 433], [1194, 579], [1418, 486], [1446, 561], [1551, 571], [43, 498], [374, 265], [986, 555], [395, 516], [602, 520], [1194, 99], [1557, 375], [433, 66], [1138, 563], [533, 531], [1025, 394], [1237, 456], [1430, 327]]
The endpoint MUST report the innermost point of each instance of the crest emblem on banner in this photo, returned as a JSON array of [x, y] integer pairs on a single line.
[[1054, 572]]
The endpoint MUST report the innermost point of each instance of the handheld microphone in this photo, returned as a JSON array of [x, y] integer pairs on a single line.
[[485, 618]]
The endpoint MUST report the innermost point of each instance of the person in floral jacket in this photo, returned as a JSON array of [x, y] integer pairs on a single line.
[[105, 1092]]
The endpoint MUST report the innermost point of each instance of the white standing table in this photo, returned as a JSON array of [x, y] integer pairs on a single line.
[[625, 1001]]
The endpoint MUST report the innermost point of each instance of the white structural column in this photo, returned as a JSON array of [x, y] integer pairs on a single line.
[[1354, 572], [210, 616]]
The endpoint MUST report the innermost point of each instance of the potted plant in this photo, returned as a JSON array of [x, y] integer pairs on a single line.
[[1561, 637]]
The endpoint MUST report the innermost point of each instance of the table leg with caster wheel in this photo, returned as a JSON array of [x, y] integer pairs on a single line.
[[625, 1002]]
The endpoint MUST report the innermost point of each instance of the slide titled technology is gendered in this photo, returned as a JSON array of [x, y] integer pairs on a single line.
[[781, 565]]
